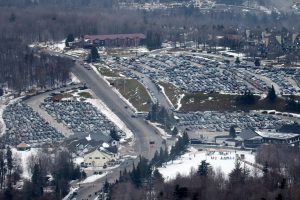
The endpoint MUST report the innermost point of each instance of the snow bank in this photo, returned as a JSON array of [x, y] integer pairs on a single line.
[[24, 156], [74, 78], [179, 101], [93, 178], [162, 132], [111, 116], [218, 159], [163, 91]]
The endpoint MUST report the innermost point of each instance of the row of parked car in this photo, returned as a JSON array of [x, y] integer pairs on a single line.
[[25, 125], [194, 73], [216, 121], [82, 118], [189, 73]]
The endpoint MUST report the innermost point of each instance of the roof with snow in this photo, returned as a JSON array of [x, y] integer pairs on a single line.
[[280, 136]]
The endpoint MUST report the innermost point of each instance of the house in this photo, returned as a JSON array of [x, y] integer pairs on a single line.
[[115, 40], [99, 157], [23, 147]]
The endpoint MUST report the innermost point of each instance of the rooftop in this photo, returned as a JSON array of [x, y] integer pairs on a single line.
[[280, 136]]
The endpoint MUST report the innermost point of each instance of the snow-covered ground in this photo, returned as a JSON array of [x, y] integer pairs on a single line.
[[179, 101], [24, 156], [93, 178], [74, 78], [161, 131], [111, 116], [223, 160], [163, 91], [2, 124]]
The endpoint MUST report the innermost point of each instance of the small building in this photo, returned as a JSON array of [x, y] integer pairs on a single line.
[[232, 142], [99, 157], [23, 146], [222, 138]]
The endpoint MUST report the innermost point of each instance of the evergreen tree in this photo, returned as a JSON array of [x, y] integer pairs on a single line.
[[2, 169], [265, 169], [154, 40], [186, 139], [156, 159], [203, 168], [174, 131], [70, 38], [238, 175], [114, 135], [237, 61], [257, 62], [1, 92], [271, 97], [94, 55], [232, 132], [106, 187], [158, 176], [36, 180], [9, 164]]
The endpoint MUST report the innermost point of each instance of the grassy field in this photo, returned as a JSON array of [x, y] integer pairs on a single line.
[[134, 92], [217, 102], [58, 97], [106, 71], [171, 91], [224, 102], [86, 95]]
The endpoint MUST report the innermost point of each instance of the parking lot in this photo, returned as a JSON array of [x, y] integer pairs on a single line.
[[219, 122], [81, 117], [193, 72], [25, 125]]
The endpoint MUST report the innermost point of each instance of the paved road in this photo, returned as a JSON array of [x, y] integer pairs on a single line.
[[144, 133]]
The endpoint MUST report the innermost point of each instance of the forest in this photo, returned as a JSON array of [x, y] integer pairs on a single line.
[[23, 22]]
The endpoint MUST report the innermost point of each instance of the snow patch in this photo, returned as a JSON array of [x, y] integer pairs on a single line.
[[105, 145], [24, 156], [2, 124], [111, 116], [93, 178], [163, 91], [219, 159], [74, 78], [179, 101], [161, 131]]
